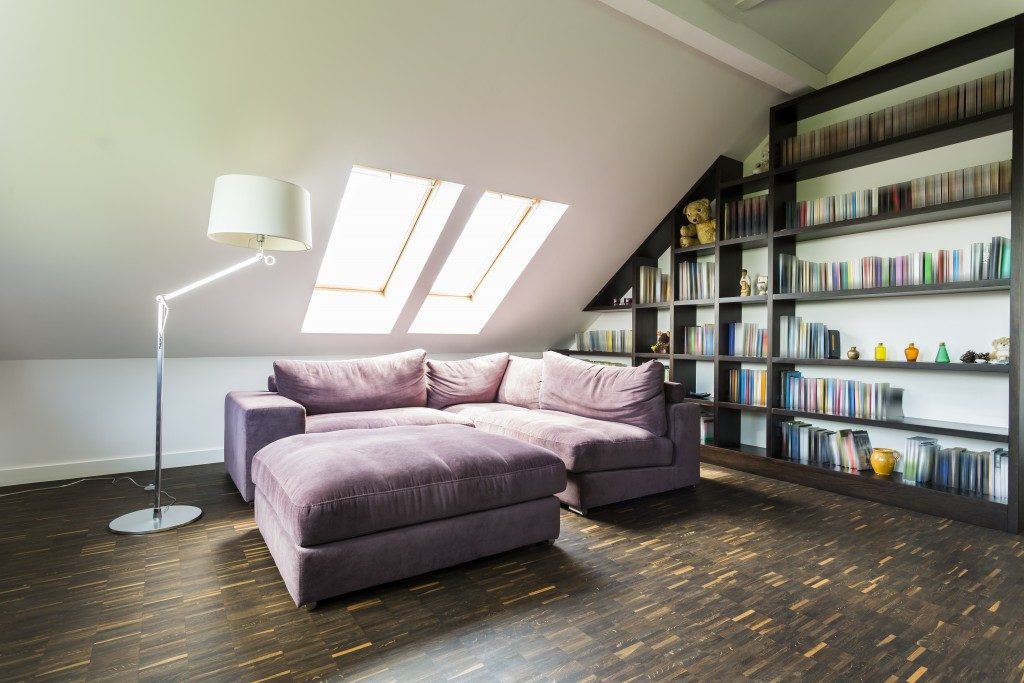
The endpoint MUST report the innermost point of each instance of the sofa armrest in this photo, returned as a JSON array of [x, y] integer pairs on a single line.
[[684, 432], [253, 419]]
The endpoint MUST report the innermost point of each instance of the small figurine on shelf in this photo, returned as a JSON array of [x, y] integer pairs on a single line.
[[744, 283], [880, 351], [615, 302], [911, 352], [661, 346], [761, 285], [968, 357], [1000, 350], [628, 301], [762, 165], [699, 214], [943, 355], [853, 353]]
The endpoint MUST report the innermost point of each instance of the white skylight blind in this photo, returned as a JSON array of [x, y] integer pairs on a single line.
[[377, 217], [490, 228]]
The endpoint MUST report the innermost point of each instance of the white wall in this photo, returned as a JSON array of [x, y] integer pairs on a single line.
[[73, 418]]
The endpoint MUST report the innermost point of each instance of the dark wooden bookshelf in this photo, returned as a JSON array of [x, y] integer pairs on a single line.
[[608, 308], [574, 352], [724, 182], [984, 368]]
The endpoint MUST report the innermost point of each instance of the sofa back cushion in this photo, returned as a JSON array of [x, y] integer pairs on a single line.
[[395, 381], [632, 396], [474, 380], [521, 384]]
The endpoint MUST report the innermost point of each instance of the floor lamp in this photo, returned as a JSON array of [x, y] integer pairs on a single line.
[[248, 211]]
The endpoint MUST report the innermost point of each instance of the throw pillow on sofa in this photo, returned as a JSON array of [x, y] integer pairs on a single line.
[[521, 384], [632, 396], [337, 386], [474, 380]]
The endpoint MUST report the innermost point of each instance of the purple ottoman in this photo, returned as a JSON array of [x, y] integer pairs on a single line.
[[346, 510]]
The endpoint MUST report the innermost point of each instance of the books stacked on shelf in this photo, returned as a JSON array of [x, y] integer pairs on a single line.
[[652, 285], [959, 102], [745, 218], [696, 280], [707, 429], [941, 188], [749, 387], [848, 449], [699, 341], [605, 340], [798, 339], [975, 472], [746, 339], [842, 207], [843, 397], [981, 261]]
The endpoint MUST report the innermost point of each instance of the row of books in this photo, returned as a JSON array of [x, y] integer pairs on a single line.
[[956, 103], [653, 286], [700, 340], [746, 339], [798, 339], [985, 473], [842, 207], [749, 387], [984, 180], [605, 340], [980, 261], [696, 280], [845, 397], [848, 449], [745, 218]]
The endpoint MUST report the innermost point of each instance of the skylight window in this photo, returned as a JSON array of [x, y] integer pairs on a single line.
[[387, 226], [494, 222], [499, 241]]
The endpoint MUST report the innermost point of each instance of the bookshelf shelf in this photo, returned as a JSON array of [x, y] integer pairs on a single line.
[[574, 352], [656, 356], [596, 309], [942, 135], [724, 183], [909, 290], [913, 424], [983, 368], [940, 212], [753, 299], [742, 406], [706, 402]]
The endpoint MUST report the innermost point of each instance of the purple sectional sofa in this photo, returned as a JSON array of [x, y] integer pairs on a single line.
[[613, 428]]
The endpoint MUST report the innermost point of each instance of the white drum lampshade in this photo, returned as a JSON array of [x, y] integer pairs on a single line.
[[246, 207]]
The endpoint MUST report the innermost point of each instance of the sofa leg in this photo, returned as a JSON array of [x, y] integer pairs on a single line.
[[550, 541], [582, 512], [309, 606]]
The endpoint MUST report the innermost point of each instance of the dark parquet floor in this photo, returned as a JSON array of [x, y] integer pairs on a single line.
[[746, 578]]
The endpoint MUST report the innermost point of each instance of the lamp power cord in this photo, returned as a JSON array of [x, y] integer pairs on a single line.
[[112, 480]]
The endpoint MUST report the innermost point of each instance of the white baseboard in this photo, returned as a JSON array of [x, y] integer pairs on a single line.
[[31, 474]]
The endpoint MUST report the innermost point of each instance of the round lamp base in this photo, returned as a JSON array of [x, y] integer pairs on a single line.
[[145, 522]]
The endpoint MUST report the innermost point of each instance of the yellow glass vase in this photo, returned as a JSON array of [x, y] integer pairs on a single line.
[[883, 460], [880, 351]]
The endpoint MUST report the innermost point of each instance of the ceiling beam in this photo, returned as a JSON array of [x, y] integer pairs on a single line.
[[701, 27]]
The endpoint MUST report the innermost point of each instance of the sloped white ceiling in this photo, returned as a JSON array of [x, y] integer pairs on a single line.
[[118, 115]]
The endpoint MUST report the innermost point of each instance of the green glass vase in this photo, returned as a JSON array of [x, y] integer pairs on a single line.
[[943, 355]]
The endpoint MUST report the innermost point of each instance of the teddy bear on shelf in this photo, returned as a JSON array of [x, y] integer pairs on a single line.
[[701, 224], [661, 346], [762, 165]]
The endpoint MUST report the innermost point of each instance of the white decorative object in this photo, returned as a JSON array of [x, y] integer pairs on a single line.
[[1001, 350], [761, 285]]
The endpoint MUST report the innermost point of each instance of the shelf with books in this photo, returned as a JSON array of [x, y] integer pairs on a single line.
[[656, 356], [941, 135], [657, 304], [750, 242], [693, 356], [696, 249], [756, 182], [915, 424], [742, 359], [744, 449], [574, 352], [984, 368], [694, 302], [971, 287], [729, 405], [978, 206]]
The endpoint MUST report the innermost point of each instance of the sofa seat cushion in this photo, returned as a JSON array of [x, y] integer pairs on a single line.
[[583, 443], [471, 411], [390, 417], [338, 485]]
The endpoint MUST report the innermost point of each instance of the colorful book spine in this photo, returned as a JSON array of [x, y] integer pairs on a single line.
[[749, 387]]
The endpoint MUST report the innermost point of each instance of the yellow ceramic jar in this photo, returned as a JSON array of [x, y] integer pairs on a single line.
[[883, 460]]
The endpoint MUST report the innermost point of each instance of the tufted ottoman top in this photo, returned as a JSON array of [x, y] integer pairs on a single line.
[[336, 485]]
